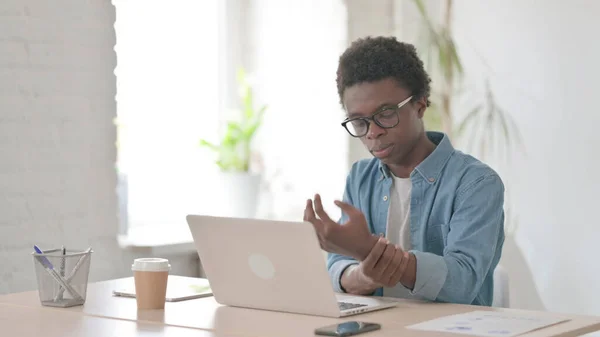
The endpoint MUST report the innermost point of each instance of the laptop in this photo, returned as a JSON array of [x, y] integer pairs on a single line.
[[271, 265]]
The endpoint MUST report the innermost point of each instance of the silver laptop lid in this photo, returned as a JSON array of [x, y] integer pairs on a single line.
[[264, 264]]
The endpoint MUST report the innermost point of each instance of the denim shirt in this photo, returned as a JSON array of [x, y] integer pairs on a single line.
[[456, 222]]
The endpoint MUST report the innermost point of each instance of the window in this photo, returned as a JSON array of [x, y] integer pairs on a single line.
[[296, 46], [168, 97], [170, 75]]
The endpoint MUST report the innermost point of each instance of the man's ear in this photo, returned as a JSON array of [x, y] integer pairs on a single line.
[[421, 106]]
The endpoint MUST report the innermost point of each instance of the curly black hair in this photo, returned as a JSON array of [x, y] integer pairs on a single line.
[[372, 59]]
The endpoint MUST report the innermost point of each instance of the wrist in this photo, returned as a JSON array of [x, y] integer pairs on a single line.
[[345, 278], [409, 277], [368, 286], [364, 251], [353, 281]]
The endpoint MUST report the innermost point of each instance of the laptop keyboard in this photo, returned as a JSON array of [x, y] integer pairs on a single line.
[[346, 305]]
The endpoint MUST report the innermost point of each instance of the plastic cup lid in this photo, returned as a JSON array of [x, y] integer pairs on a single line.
[[150, 264]]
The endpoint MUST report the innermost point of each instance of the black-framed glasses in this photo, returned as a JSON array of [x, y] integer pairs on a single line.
[[385, 118]]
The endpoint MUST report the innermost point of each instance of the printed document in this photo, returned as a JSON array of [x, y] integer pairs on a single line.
[[489, 323]]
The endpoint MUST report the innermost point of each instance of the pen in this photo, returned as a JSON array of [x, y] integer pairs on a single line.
[[73, 271], [50, 268], [62, 272], [62, 261]]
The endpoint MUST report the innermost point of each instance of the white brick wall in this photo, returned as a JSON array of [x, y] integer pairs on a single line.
[[57, 138]]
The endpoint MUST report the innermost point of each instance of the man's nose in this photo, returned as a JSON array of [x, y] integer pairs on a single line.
[[374, 130]]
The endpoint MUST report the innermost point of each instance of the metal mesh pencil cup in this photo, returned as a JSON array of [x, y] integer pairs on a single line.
[[62, 278]]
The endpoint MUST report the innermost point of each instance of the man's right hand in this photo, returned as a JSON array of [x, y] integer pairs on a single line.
[[353, 238], [384, 266]]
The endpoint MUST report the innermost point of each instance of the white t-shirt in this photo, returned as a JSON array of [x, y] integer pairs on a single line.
[[398, 221], [398, 225]]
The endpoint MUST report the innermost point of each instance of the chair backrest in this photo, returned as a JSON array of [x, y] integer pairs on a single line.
[[501, 288]]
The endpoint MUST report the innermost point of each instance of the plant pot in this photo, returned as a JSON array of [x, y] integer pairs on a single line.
[[241, 193]]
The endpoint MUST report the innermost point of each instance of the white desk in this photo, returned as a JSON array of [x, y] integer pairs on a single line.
[[205, 314], [20, 321]]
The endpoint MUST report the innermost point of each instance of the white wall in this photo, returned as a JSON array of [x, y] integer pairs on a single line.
[[57, 138], [546, 61]]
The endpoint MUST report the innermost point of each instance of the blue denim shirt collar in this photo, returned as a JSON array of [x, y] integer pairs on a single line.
[[431, 168]]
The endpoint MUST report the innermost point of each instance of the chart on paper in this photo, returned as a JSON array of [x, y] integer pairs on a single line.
[[488, 323]]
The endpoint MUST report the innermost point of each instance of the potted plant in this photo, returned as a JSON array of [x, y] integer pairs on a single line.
[[241, 184]]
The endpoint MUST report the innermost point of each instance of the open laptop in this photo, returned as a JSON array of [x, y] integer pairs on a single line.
[[271, 265]]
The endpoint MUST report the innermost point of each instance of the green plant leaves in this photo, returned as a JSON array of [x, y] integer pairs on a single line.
[[469, 119], [486, 124], [234, 149], [233, 134], [208, 144]]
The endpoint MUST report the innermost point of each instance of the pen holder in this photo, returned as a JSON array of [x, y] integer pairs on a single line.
[[62, 276]]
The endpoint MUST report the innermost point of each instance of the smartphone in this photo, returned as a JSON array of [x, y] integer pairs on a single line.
[[347, 329]]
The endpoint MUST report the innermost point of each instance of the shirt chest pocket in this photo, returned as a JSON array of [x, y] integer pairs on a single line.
[[437, 235]]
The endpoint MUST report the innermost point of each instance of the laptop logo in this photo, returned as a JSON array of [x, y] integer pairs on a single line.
[[261, 266]]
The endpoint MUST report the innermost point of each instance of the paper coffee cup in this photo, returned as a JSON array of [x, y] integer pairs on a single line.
[[151, 276]]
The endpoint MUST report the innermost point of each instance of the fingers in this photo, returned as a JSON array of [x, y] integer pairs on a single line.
[[309, 213], [379, 272], [351, 211], [319, 209], [401, 267], [392, 271], [374, 255], [306, 214], [385, 264], [318, 225]]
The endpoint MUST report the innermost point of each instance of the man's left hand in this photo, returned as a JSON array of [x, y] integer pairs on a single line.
[[386, 264]]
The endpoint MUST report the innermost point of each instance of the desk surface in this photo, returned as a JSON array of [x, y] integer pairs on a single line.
[[208, 315], [35, 322]]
